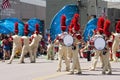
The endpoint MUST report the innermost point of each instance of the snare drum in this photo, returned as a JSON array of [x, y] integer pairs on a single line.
[[68, 40], [91, 44], [85, 53], [118, 53], [109, 43], [99, 43]]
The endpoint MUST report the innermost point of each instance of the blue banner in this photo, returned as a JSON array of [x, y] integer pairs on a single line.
[[68, 11]]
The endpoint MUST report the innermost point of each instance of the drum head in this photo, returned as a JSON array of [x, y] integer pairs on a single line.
[[68, 40], [99, 43]]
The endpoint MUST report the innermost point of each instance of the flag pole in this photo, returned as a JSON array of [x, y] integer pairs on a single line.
[[96, 7], [0, 13]]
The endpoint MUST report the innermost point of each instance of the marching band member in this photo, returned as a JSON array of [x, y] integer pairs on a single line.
[[62, 48], [36, 38], [69, 49], [97, 52], [50, 53], [56, 47], [17, 44], [26, 48], [110, 42], [75, 48], [106, 53], [69, 53], [99, 33], [116, 37]]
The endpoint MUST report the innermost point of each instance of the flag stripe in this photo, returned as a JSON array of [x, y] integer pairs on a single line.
[[5, 4]]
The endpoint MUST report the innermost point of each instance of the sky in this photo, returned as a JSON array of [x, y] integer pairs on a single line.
[[112, 0]]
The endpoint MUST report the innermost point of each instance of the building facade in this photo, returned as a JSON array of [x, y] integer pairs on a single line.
[[23, 11], [52, 8], [86, 7]]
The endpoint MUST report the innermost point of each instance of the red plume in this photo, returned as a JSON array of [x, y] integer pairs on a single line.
[[26, 29], [76, 16], [76, 25], [37, 28], [63, 20], [100, 22], [118, 27], [63, 23], [100, 30], [71, 27], [106, 28], [16, 28]]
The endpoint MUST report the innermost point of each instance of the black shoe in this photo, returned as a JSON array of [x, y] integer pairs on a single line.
[[32, 61], [79, 73], [71, 73]]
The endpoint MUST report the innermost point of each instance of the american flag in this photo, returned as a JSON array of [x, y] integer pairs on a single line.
[[5, 4]]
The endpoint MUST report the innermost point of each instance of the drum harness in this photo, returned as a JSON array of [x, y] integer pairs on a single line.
[[74, 45]]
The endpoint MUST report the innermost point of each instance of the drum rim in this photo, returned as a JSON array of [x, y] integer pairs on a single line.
[[102, 39]]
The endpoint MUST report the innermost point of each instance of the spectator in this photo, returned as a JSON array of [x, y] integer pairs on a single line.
[[6, 48], [1, 53]]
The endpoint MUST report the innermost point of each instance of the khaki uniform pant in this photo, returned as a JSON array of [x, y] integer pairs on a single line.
[[50, 52], [14, 52], [25, 50], [76, 63], [106, 62], [95, 59], [34, 53], [63, 55], [115, 47], [69, 53]]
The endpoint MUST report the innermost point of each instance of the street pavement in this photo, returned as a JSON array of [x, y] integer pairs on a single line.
[[45, 69]]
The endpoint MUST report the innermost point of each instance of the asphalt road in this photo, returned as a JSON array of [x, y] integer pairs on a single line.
[[45, 69]]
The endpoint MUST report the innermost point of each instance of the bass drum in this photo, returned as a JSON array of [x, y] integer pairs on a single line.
[[68, 40], [99, 43]]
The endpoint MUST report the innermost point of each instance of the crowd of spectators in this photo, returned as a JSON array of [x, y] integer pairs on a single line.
[[6, 47]]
